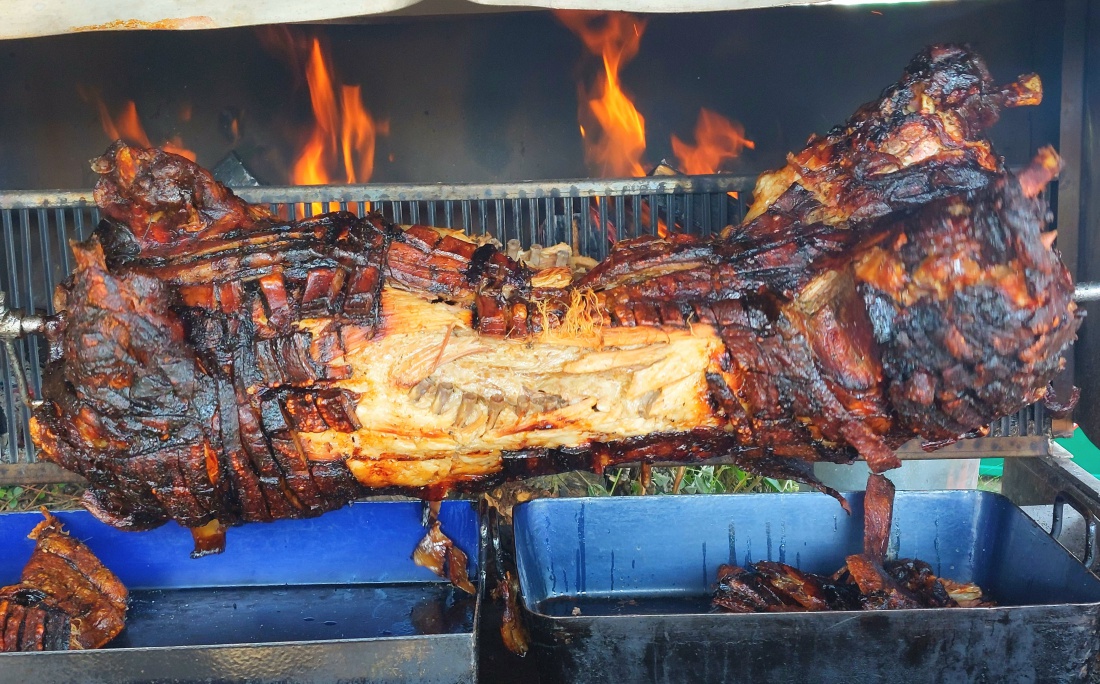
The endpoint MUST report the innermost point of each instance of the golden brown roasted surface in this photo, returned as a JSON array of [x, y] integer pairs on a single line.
[[214, 365], [66, 598]]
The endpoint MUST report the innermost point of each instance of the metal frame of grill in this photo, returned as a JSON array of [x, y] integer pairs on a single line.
[[35, 228]]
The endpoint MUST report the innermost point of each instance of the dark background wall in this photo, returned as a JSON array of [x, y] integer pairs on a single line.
[[494, 97]]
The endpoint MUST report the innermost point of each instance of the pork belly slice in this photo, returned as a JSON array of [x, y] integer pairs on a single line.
[[66, 598]]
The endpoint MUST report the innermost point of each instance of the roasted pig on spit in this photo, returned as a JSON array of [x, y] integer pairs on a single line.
[[65, 600], [213, 364]]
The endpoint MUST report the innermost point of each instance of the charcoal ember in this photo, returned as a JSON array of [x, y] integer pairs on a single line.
[[214, 364]]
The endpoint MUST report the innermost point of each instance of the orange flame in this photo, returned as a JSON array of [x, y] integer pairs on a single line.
[[175, 146], [358, 135], [614, 145], [344, 132], [127, 126], [717, 141], [310, 167]]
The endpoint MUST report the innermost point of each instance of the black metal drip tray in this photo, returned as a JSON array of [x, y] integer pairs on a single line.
[[619, 590], [252, 615]]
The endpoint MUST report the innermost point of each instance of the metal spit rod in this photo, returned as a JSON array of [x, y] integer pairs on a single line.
[[1086, 292]]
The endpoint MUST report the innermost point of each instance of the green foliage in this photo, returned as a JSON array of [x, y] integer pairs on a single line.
[[10, 498], [723, 479], [31, 497], [987, 483]]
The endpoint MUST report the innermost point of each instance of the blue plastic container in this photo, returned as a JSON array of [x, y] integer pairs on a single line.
[[331, 598]]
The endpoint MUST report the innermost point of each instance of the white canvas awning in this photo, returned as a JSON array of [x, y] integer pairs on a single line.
[[27, 18]]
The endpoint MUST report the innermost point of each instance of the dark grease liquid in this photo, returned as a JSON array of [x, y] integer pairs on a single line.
[[565, 606], [249, 615]]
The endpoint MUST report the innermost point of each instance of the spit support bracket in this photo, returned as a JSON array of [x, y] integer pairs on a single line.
[[15, 325]]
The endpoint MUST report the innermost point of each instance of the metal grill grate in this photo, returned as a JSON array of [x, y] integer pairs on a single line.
[[35, 228]]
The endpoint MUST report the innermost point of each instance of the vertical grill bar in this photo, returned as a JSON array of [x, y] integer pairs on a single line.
[[498, 206], [636, 206], [517, 220], [28, 352], [47, 261], [448, 214], [654, 209], [620, 219], [550, 223], [482, 219], [586, 227], [560, 222], [62, 240], [601, 248], [9, 447], [78, 220], [570, 226], [533, 218], [708, 216], [466, 218], [9, 450]]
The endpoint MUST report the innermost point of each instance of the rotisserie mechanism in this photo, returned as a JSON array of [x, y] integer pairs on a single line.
[[214, 364]]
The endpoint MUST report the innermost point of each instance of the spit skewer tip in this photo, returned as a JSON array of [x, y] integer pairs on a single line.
[[1086, 292]]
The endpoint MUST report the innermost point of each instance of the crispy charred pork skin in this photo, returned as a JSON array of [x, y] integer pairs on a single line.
[[66, 599], [215, 365], [862, 584], [867, 581], [878, 513]]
